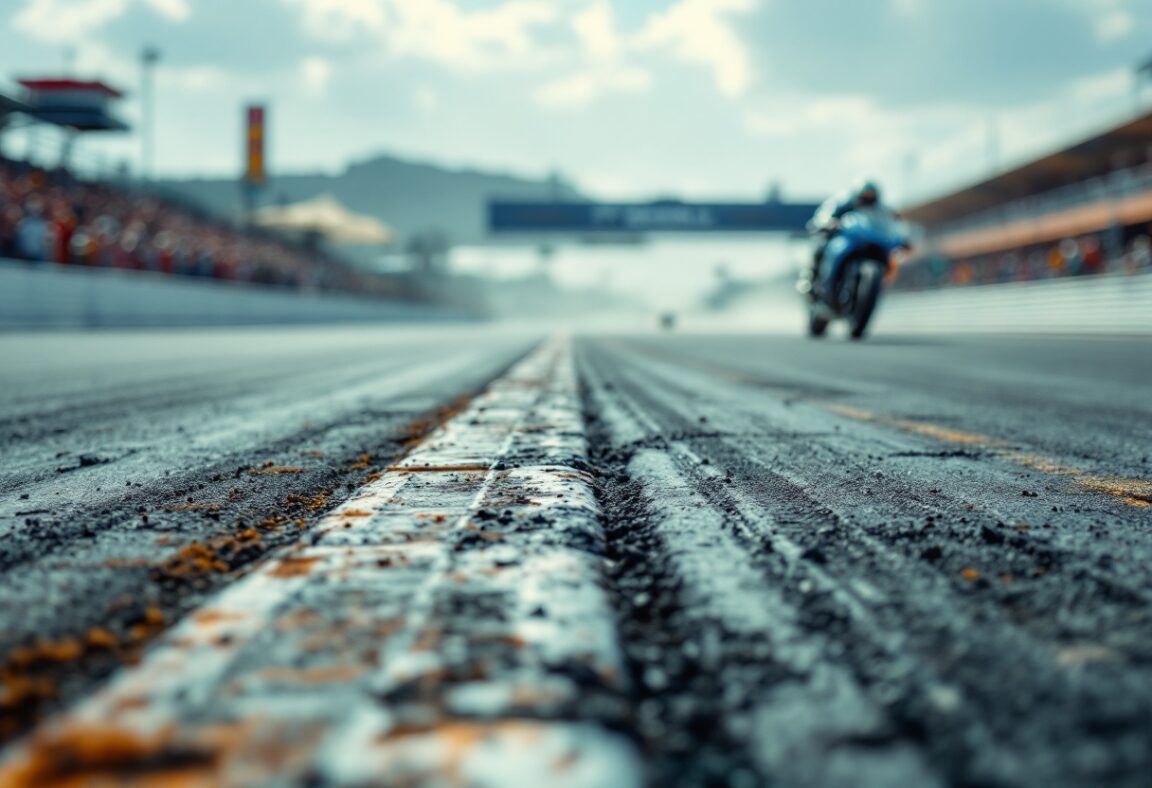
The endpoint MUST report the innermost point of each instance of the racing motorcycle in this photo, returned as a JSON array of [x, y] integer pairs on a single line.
[[855, 264]]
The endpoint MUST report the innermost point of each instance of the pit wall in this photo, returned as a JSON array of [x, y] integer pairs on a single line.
[[1110, 303], [46, 295]]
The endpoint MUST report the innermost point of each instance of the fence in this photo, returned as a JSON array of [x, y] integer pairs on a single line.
[[46, 295]]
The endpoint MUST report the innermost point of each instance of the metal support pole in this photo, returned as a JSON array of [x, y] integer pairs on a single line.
[[148, 59]]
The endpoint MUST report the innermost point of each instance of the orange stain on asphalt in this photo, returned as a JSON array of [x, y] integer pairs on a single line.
[[89, 755], [293, 566], [327, 674]]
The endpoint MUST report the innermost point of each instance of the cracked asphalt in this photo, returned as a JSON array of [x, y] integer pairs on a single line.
[[906, 561]]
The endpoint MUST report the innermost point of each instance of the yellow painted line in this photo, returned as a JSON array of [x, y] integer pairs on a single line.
[[1035, 462], [945, 434], [1134, 492]]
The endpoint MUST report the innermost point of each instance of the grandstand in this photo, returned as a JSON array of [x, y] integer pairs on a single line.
[[1083, 209], [53, 215]]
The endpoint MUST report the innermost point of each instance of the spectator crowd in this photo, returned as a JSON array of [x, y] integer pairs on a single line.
[[50, 216], [1083, 256]]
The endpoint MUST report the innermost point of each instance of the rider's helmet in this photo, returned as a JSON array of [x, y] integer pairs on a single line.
[[867, 193]]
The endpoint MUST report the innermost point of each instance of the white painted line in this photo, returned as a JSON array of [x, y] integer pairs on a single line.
[[447, 625]]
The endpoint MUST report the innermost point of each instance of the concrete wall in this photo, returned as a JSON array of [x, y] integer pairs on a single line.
[[45, 295], [1112, 303]]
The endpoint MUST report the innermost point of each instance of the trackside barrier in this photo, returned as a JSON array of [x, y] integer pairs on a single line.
[[46, 295], [1109, 303]]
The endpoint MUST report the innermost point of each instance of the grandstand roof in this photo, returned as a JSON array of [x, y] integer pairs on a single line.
[[1081, 161], [73, 103], [93, 86], [9, 104]]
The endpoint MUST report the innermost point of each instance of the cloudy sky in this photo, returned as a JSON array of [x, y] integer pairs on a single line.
[[627, 97]]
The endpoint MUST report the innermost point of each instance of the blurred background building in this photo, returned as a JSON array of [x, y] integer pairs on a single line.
[[1085, 209], [412, 229]]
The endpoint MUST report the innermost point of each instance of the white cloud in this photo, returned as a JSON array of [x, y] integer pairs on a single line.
[[505, 37], [602, 64], [437, 30], [176, 10], [61, 21], [426, 99], [315, 73], [582, 88], [608, 61], [909, 7], [595, 27], [981, 144], [1114, 25], [342, 19], [1111, 20], [76, 21], [867, 139], [119, 68], [1108, 86], [828, 112], [195, 79], [1083, 107], [702, 32]]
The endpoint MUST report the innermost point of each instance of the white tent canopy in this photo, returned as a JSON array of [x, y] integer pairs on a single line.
[[325, 216]]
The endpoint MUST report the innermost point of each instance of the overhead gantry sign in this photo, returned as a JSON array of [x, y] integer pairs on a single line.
[[654, 217]]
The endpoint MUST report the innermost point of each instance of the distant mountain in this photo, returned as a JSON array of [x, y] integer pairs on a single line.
[[411, 197]]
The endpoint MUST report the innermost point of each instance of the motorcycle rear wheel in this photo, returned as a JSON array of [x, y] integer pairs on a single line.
[[816, 325]]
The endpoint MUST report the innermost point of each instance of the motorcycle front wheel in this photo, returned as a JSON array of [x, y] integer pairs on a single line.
[[870, 280]]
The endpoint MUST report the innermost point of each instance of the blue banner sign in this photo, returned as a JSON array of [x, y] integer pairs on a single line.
[[656, 217]]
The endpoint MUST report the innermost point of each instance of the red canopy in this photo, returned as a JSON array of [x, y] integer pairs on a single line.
[[54, 85]]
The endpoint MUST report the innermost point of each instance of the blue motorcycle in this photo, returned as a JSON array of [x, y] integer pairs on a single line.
[[855, 264]]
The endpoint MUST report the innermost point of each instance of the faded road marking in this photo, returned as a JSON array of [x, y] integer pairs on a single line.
[[1134, 492], [945, 434]]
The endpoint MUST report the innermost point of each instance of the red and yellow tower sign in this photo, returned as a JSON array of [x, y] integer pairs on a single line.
[[254, 174]]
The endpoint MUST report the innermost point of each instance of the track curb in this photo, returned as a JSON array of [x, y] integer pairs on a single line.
[[449, 622]]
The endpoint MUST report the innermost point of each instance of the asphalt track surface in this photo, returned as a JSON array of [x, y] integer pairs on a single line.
[[140, 470], [906, 561]]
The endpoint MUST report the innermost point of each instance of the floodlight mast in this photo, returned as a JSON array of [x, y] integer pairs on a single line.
[[149, 56]]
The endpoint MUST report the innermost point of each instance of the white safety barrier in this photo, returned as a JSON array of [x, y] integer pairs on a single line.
[[46, 295], [1111, 303]]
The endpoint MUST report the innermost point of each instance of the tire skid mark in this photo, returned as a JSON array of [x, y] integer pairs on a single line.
[[908, 633], [456, 633], [1131, 491], [742, 689], [935, 503]]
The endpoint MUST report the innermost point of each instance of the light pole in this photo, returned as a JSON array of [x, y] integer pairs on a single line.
[[148, 59], [1143, 75]]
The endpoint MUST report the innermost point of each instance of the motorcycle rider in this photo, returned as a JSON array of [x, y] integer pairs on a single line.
[[825, 223]]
